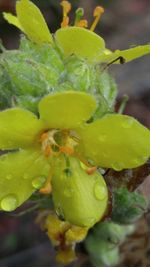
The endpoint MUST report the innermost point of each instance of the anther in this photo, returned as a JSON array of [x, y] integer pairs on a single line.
[[98, 11], [66, 9], [47, 189], [91, 170]]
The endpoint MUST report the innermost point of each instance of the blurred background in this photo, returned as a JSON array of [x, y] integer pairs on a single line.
[[125, 23]]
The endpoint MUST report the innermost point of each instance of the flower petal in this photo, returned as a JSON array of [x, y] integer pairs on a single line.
[[116, 141], [18, 128], [128, 55], [82, 42], [66, 110], [13, 20], [33, 22], [18, 171]]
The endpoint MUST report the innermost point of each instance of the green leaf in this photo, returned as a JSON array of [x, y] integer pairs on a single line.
[[116, 141], [18, 128], [44, 53], [67, 109], [81, 42], [18, 171], [127, 206]]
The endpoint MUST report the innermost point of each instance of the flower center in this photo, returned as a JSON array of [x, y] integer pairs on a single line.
[[54, 142]]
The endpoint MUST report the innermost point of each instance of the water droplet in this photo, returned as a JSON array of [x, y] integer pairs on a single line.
[[100, 191], [117, 166], [39, 182], [9, 203], [26, 176], [68, 192], [60, 213], [90, 221], [9, 176], [102, 137], [127, 123]]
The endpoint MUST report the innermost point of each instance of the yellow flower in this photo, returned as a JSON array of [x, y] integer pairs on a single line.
[[70, 39]]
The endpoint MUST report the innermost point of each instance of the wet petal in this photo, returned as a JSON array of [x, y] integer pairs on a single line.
[[18, 128], [82, 42], [33, 22], [128, 55], [66, 110], [18, 171], [13, 20], [116, 141]]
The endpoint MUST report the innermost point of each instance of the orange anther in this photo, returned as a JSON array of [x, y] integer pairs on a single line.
[[66, 9], [98, 11], [66, 150], [47, 189], [47, 150], [82, 23], [91, 170]]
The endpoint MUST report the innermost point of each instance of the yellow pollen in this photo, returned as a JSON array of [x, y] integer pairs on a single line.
[[66, 9], [98, 11]]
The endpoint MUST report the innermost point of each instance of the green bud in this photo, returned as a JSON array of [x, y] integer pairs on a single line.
[[78, 197]]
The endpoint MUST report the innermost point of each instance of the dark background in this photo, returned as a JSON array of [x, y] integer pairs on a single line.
[[124, 23]]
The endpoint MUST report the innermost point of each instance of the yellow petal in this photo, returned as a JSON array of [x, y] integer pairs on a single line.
[[18, 171], [128, 54], [116, 141], [66, 110], [81, 42], [18, 128], [13, 20], [33, 22]]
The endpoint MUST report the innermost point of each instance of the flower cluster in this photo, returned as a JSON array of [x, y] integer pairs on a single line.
[[61, 150]]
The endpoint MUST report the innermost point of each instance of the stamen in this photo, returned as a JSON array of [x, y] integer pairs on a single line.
[[66, 9], [47, 189], [78, 22], [91, 170], [43, 137], [66, 150], [98, 11], [48, 150], [82, 23]]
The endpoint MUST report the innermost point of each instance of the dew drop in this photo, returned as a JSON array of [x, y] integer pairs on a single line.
[[68, 192], [25, 176], [90, 221], [117, 166], [39, 182], [127, 123], [102, 137], [60, 213], [9, 176], [100, 191], [9, 203]]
